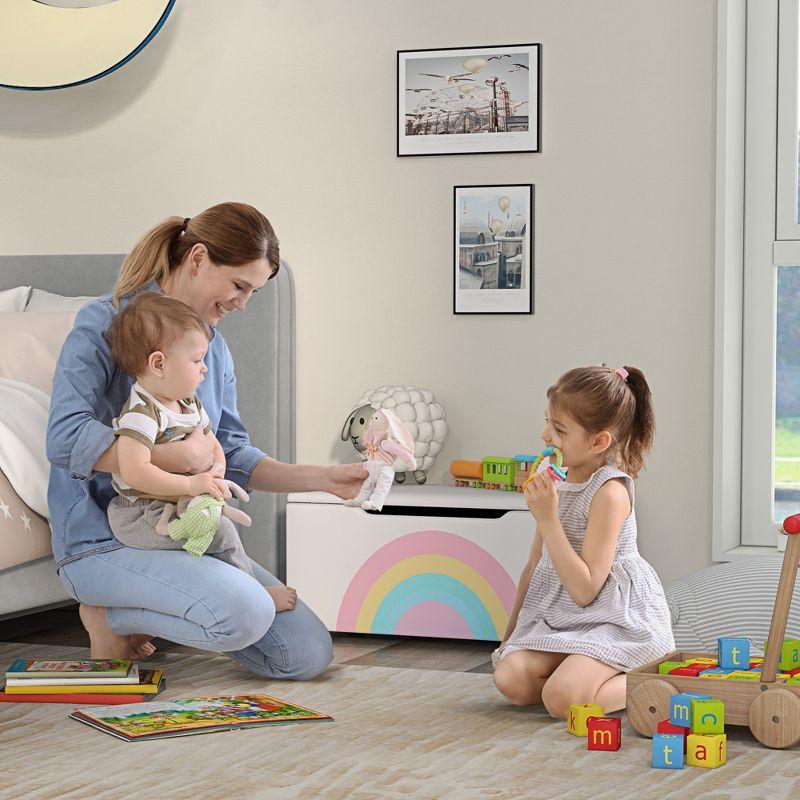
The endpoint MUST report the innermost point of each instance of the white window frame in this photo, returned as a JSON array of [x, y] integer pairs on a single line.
[[756, 232]]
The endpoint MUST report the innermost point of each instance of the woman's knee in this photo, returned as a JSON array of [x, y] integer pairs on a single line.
[[243, 617], [316, 655]]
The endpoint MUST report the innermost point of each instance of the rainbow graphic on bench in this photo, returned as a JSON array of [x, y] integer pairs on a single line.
[[429, 583]]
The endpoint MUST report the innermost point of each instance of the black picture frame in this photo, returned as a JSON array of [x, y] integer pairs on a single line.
[[472, 253], [498, 111]]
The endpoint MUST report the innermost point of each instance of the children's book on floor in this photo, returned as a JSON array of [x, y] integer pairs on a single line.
[[151, 683], [74, 678], [190, 715], [37, 668]]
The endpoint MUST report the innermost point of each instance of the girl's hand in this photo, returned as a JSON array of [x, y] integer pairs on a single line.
[[344, 480], [541, 498]]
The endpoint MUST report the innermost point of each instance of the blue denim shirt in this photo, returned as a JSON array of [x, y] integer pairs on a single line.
[[88, 392]]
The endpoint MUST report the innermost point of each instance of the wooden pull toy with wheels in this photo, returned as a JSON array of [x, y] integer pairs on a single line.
[[771, 710]]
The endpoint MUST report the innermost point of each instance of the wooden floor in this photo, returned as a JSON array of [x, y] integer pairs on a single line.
[[63, 627]]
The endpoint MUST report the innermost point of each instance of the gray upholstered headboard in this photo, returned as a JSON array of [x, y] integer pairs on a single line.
[[262, 343]]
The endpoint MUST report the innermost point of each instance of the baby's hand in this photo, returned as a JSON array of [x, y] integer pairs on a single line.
[[541, 498], [207, 483]]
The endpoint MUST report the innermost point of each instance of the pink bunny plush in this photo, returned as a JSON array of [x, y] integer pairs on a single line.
[[390, 449]]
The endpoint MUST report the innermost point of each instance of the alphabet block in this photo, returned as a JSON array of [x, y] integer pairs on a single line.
[[578, 714], [708, 716], [680, 707], [665, 726], [667, 751], [603, 733], [665, 667], [705, 750], [734, 653]]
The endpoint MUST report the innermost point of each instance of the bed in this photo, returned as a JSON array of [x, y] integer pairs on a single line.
[[262, 343]]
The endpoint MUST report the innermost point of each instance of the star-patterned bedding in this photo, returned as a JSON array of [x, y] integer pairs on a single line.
[[24, 535]]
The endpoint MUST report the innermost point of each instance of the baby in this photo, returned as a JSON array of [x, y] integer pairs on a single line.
[[162, 342]]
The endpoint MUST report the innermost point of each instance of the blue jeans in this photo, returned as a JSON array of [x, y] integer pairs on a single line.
[[204, 603]]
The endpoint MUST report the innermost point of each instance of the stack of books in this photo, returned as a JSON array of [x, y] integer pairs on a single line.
[[103, 682]]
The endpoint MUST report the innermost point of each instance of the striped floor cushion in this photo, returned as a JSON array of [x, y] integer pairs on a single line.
[[732, 599]]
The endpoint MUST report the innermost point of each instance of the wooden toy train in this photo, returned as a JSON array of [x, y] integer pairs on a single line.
[[506, 474]]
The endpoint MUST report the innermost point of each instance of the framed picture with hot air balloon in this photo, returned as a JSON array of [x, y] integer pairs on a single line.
[[493, 249], [469, 100]]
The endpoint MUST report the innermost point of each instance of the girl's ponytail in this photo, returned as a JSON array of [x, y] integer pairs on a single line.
[[150, 258], [643, 426]]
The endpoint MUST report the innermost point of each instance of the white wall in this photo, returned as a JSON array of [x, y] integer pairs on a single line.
[[291, 106]]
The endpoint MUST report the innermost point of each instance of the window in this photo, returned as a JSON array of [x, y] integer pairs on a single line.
[[758, 321]]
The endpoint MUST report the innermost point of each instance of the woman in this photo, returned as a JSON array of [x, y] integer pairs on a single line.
[[213, 262]]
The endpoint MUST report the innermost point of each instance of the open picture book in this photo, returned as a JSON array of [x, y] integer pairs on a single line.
[[189, 715]]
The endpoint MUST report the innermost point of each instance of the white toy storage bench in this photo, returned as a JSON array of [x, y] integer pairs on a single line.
[[437, 561]]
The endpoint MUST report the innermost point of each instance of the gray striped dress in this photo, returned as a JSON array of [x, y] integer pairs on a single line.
[[626, 625]]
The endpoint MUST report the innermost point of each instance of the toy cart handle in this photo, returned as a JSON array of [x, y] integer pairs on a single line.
[[783, 599]]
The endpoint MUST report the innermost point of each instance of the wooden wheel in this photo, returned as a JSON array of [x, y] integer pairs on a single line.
[[774, 718], [648, 704]]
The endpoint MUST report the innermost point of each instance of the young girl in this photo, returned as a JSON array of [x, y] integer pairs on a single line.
[[588, 608]]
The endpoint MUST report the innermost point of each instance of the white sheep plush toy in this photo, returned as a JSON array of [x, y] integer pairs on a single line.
[[389, 447], [424, 418]]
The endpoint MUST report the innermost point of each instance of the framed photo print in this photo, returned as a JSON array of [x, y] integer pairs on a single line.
[[493, 249], [469, 100]]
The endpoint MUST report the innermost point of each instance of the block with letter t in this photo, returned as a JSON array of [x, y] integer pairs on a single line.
[[734, 653], [667, 751], [603, 733]]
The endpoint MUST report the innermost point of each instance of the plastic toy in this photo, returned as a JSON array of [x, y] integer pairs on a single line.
[[506, 474], [555, 470], [770, 708]]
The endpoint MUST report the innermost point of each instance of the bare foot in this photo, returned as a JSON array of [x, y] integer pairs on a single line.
[[103, 641], [141, 646], [284, 597]]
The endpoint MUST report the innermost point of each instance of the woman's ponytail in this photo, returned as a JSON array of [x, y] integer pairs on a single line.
[[150, 258], [233, 234]]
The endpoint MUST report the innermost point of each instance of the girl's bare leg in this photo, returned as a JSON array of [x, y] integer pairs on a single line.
[[581, 679], [520, 675], [611, 695]]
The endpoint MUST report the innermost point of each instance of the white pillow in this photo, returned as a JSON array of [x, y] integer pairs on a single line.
[[31, 344], [41, 300], [14, 299]]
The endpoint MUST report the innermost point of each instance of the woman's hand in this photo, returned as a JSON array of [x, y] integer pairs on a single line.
[[541, 498], [198, 451], [344, 480]]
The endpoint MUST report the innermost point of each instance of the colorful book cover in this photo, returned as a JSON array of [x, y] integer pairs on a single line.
[[85, 680], [76, 699], [151, 681], [190, 715], [32, 668]]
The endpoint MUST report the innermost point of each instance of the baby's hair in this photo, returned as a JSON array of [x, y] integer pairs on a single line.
[[603, 399], [150, 322]]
